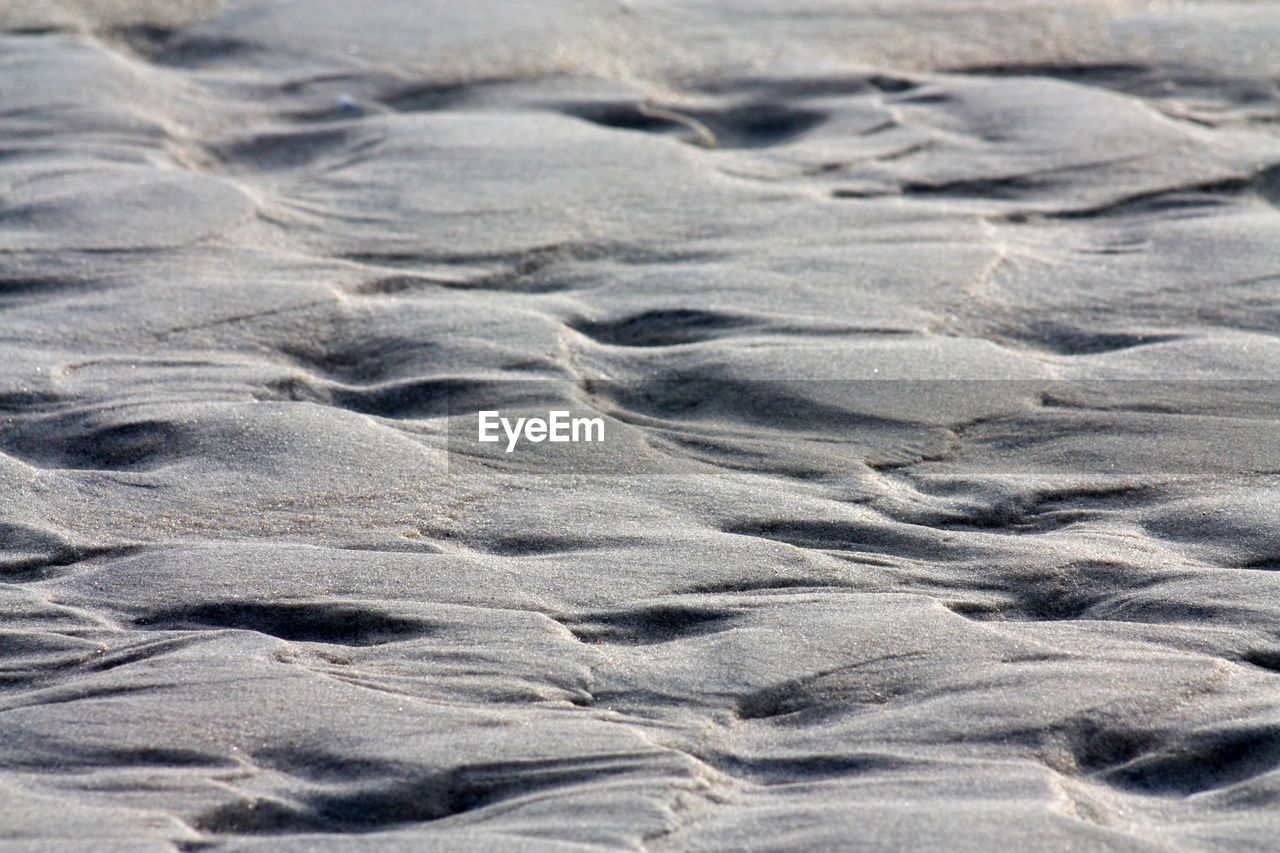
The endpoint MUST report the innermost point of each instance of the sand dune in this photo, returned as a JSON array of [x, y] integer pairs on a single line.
[[934, 347]]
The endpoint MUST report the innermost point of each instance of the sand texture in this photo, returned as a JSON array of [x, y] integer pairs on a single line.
[[937, 342]]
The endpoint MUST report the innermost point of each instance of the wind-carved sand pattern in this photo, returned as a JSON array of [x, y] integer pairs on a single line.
[[935, 346]]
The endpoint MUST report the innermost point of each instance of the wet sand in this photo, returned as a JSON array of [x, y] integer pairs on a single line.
[[935, 347]]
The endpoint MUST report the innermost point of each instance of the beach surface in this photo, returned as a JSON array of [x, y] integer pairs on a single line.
[[936, 351]]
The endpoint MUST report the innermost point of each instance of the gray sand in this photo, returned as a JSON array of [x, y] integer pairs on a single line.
[[937, 345]]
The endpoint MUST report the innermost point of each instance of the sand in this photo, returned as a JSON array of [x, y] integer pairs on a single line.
[[936, 350]]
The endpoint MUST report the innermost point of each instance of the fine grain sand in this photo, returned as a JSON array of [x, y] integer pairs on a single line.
[[937, 343]]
